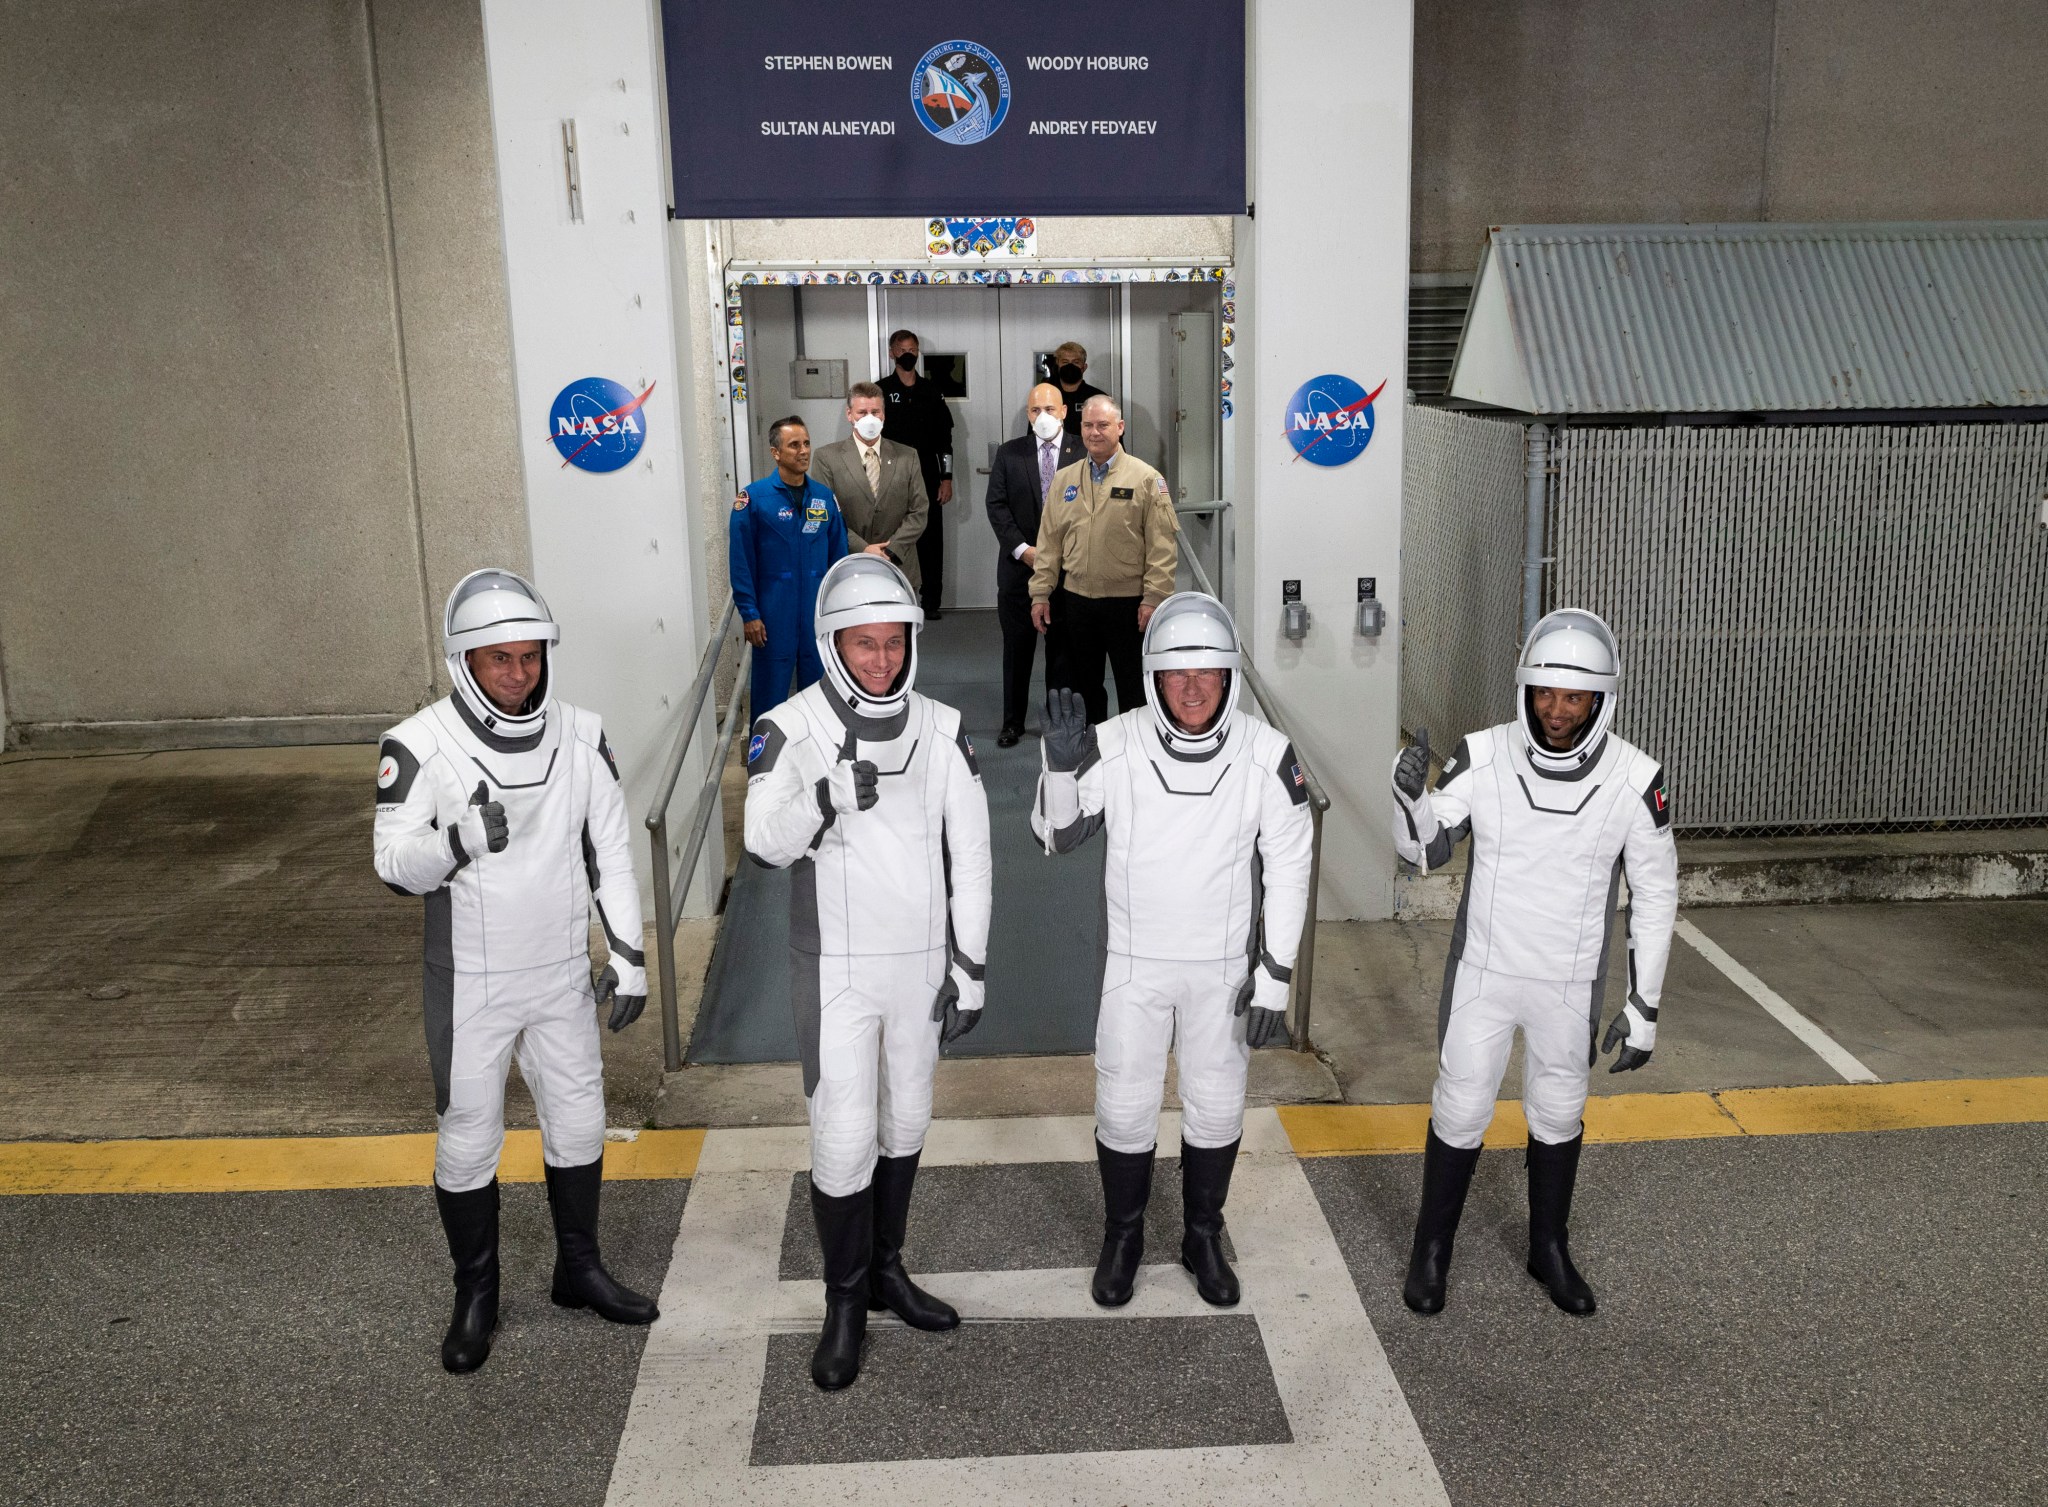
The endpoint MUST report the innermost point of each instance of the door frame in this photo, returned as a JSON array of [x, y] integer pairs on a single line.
[[878, 276]]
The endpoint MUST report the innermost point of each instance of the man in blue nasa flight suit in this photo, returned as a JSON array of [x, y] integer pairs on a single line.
[[785, 533]]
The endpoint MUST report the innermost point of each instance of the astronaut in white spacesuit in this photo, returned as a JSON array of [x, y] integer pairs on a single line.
[[1558, 808], [501, 805], [1206, 887], [870, 794]]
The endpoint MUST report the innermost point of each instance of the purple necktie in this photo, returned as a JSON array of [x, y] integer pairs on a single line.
[[1047, 453]]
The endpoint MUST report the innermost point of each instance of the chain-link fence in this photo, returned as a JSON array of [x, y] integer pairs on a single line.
[[1823, 628], [1461, 572]]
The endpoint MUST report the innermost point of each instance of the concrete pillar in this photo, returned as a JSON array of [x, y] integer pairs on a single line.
[[592, 298], [1323, 288]]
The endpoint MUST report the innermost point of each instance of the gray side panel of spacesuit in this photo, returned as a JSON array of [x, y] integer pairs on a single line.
[[804, 1002], [1443, 1008], [1597, 1002], [805, 1006], [437, 994]]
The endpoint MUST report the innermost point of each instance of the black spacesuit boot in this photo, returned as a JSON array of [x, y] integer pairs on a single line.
[[889, 1285], [1446, 1176], [1126, 1189], [580, 1278], [1552, 1172], [1204, 1185], [846, 1235], [470, 1221]]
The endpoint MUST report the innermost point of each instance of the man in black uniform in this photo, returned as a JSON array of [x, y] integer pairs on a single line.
[[914, 414], [1070, 370]]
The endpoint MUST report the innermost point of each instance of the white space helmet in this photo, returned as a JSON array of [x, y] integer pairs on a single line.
[[494, 606], [861, 589], [1575, 651], [1192, 631]]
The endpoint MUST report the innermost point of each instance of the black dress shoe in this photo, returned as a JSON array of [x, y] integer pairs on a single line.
[[1008, 737]]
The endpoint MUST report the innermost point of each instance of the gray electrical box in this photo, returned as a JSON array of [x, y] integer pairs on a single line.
[[813, 378]]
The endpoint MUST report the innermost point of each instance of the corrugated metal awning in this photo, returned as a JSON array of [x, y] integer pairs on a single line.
[[1758, 318]]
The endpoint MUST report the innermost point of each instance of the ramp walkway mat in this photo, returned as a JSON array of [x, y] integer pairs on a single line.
[[1044, 946]]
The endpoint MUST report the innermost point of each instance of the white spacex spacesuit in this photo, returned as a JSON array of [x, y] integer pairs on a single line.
[[1205, 889], [507, 943], [874, 802], [1553, 832]]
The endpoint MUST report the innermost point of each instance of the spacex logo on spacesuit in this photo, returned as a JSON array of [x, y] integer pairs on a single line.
[[1330, 420], [596, 424]]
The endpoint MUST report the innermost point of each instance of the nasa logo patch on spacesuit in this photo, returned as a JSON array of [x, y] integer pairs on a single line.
[[763, 748], [1071, 494]]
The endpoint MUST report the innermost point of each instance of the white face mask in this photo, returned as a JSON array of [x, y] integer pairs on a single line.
[[1047, 426], [868, 426]]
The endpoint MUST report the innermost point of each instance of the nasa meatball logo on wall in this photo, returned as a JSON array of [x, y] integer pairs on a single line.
[[960, 92], [596, 424], [1329, 420]]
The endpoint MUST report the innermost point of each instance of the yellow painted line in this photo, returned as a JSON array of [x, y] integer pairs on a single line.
[[1888, 1106], [294, 1163], [1389, 1129]]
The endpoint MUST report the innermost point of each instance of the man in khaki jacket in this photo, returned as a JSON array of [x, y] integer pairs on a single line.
[[879, 484], [1107, 547]]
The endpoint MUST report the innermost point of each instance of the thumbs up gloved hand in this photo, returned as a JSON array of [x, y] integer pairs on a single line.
[[850, 785], [1068, 738], [1411, 768], [957, 1006], [481, 827]]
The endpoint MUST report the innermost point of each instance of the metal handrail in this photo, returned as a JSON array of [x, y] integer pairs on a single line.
[[1318, 801], [668, 908]]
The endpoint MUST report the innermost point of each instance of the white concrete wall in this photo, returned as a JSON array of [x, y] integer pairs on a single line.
[[1331, 301], [611, 551]]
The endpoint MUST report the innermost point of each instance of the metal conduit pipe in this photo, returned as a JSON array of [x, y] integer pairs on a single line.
[[1301, 993], [1536, 475]]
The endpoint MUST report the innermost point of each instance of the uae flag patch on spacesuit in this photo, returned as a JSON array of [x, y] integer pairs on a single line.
[[1658, 802]]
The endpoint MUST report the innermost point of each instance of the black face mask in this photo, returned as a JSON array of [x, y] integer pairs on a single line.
[[907, 361], [1069, 374]]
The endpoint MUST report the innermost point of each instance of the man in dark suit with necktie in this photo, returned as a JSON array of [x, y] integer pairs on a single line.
[[1017, 481]]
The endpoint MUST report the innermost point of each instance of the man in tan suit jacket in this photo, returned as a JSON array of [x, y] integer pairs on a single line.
[[879, 484]]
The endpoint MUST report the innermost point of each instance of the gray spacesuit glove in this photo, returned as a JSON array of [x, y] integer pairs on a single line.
[[1411, 769], [626, 1008], [1638, 1023], [1068, 738], [1266, 998], [957, 1005], [481, 827], [850, 785]]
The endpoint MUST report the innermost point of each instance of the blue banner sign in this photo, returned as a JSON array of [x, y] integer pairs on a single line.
[[782, 109]]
